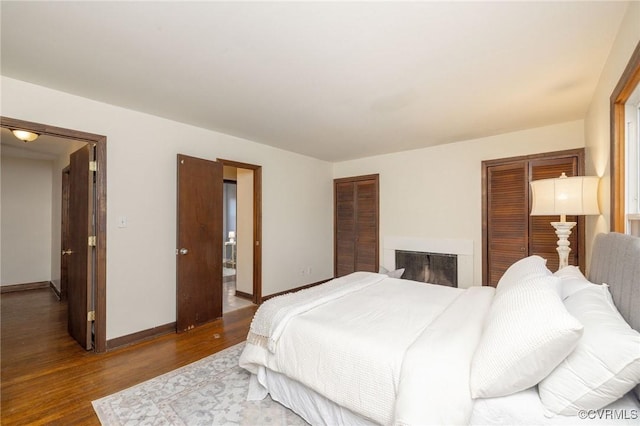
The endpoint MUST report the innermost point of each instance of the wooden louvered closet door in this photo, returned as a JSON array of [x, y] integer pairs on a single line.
[[507, 216], [356, 227], [509, 233]]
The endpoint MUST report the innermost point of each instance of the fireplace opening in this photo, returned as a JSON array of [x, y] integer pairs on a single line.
[[434, 268]]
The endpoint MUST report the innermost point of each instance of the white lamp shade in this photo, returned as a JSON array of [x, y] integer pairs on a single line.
[[565, 196]]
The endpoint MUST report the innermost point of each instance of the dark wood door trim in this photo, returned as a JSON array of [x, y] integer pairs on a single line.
[[578, 153], [626, 85], [555, 154], [100, 142], [357, 178], [257, 223]]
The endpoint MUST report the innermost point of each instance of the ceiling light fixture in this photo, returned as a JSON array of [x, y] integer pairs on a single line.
[[25, 136]]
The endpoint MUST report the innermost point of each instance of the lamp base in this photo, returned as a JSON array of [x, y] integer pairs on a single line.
[[563, 230]]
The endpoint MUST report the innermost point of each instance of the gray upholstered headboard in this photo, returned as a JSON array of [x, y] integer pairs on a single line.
[[616, 261]]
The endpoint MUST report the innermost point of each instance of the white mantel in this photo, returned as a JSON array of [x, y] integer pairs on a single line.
[[462, 248]]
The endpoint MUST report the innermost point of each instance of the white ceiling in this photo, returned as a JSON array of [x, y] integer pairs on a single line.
[[332, 80], [44, 148]]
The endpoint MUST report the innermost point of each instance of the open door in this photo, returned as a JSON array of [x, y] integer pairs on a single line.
[[79, 253], [64, 233], [199, 242]]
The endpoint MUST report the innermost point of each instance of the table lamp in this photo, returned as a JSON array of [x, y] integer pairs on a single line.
[[564, 196]]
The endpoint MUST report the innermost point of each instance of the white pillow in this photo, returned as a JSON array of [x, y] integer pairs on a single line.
[[528, 332], [523, 270], [605, 364], [572, 281], [391, 274], [396, 274]]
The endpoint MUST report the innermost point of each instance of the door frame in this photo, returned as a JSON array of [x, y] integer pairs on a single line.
[[257, 224], [100, 272], [628, 82]]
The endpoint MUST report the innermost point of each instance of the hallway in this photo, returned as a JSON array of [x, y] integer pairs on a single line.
[[231, 302]]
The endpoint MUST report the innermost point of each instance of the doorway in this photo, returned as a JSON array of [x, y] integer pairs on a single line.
[[208, 245], [248, 235], [96, 297], [237, 235]]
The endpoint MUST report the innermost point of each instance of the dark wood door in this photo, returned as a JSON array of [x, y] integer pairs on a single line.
[[345, 228], [509, 233], [356, 224], [199, 242], [366, 251], [507, 217], [64, 234], [80, 258]]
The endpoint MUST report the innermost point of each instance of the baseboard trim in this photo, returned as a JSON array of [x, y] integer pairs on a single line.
[[244, 295], [293, 290], [53, 288], [140, 336], [24, 287], [151, 333]]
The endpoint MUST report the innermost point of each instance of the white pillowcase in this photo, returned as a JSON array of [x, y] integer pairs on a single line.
[[523, 270], [572, 281], [391, 274], [528, 332], [396, 274], [604, 365]]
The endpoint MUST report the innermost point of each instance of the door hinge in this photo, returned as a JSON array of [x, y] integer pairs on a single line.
[[93, 166], [91, 316], [92, 241]]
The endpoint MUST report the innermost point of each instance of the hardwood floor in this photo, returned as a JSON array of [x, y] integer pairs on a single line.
[[47, 378]]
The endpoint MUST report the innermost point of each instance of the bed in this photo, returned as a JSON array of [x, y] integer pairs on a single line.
[[370, 349]]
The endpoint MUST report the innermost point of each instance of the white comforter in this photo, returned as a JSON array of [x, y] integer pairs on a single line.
[[384, 349]]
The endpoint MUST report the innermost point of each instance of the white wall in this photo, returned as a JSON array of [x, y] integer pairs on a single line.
[[26, 220], [436, 192], [597, 121], [141, 185], [244, 231]]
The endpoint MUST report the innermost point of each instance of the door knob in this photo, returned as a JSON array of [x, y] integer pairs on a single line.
[[66, 252], [184, 251]]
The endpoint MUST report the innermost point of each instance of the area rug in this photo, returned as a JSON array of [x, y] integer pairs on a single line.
[[212, 391]]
